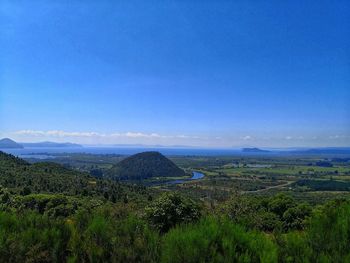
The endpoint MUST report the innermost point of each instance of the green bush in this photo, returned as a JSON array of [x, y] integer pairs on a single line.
[[213, 240], [97, 237], [102, 238], [295, 217], [326, 238], [329, 232], [280, 212], [31, 237], [170, 210], [294, 247]]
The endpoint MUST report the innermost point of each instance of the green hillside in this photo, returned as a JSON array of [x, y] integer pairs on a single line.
[[145, 165], [23, 178], [49, 213]]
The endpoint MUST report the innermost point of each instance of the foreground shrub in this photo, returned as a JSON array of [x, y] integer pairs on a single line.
[[170, 210], [277, 213], [104, 239], [329, 232], [326, 238], [294, 247], [214, 240], [98, 237], [31, 237]]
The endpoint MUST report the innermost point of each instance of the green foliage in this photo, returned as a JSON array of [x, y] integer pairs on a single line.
[[294, 247], [53, 214], [280, 203], [295, 217], [24, 178], [53, 206], [103, 238], [329, 232], [323, 185], [171, 209], [108, 234], [31, 237], [280, 212], [326, 239], [213, 240]]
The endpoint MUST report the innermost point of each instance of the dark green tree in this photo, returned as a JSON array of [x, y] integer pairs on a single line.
[[170, 210]]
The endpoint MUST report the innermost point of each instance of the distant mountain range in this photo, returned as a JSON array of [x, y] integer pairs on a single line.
[[326, 150], [7, 143]]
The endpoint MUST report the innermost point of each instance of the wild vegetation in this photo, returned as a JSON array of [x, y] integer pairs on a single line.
[[46, 177], [49, 213]]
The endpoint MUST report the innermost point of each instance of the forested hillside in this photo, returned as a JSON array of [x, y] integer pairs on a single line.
[[23, 178], [52, 214], [145, 165]]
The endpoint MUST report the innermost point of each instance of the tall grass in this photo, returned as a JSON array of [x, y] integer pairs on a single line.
[[213, 240]]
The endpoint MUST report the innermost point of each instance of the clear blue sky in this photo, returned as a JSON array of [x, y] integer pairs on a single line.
[[209, 73]]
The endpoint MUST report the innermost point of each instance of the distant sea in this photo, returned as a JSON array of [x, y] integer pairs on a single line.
[[25, 152], [44, 152]]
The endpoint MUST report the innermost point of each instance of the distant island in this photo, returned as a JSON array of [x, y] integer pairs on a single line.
[[7, 143], [50, 144], [324, 150], [254, 150]]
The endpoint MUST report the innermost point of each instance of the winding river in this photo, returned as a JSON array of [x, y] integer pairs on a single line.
[[195, 176]]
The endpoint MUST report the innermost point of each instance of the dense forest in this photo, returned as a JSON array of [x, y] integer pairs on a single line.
[[53, 214]]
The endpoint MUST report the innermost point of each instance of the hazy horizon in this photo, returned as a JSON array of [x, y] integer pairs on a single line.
[[154, 146], [215, 74]]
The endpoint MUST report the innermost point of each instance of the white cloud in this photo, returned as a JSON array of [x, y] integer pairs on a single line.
[[247, 137], [61, 134], [58, 133], [29, 132], [142, 135]]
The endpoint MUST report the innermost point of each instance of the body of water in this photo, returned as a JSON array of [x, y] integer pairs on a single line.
[[40, 151], [195, 176]]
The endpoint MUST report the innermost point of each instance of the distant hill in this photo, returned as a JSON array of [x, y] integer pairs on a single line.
[[327, 150], [8, 143], [254, 150], [145, 165], [50, 144]]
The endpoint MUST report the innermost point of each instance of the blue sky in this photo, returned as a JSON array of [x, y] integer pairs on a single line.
[[204, 73]]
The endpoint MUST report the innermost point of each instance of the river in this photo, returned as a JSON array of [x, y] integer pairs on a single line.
[[195, 176]]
